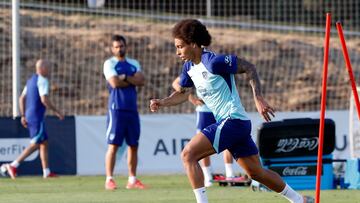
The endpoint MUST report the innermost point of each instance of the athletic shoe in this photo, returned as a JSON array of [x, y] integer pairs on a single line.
[[236, 179], [52, 175], [308, 199], [110, 185], [218, 177], [137, 185], [11, 171], [208, 183], [3, 170]]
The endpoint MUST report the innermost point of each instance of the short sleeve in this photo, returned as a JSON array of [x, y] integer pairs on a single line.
[[24, 91], [43, 86], [134, 63], [221, 64], [185, 80], [109, 69]]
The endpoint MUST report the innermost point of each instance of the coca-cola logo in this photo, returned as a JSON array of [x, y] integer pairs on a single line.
[[298, 170], [295, 171], [291, 144]]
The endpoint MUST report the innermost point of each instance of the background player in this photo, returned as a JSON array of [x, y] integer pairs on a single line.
[[123, 75], [34, 101]]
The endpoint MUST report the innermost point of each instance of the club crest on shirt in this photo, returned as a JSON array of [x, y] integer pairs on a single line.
[[205, 75], [112, 136], [228, 60]]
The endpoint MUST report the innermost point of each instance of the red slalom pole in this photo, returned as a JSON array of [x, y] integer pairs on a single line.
[[323, 107], [348, 66]]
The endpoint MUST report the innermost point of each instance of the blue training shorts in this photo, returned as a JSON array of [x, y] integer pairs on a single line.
[[204, 119], [232, 134], [123, 125], [37, 132]]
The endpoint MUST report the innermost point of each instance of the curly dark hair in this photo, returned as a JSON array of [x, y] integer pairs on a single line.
[[192, 31]]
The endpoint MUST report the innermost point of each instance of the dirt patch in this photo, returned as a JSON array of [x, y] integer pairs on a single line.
[[289, 64]]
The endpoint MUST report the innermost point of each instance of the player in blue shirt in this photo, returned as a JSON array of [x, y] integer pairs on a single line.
[[123, 75], [34, 101], [213, 77], [204, 118]]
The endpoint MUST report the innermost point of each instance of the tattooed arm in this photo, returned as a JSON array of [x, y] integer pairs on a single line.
[[262, 106]]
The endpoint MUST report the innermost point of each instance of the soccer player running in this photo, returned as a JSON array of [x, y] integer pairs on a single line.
[[123, 75], [34, 101], [213, 77], [204, 118]]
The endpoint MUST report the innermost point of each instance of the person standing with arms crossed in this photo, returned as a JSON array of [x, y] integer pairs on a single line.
[[123, 75], [213, 77], [34, 101], [204, 118]]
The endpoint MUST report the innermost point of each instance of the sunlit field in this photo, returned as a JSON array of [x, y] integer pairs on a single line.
[[166, 189]]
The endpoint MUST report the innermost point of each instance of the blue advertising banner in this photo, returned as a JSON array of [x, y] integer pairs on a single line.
[[14, 138]]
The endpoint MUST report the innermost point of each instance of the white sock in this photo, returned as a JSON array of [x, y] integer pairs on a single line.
[[291, 195], [46, 172], [207, 173], [108, 178], [229, 170], [132, 179], [200, 194], [15, 164]]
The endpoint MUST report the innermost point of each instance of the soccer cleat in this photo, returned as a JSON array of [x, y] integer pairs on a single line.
[[236, 179], [308, 199], [3, 170], [208, 183], [218, 177], [51, 175], [110, 185], [11, 171], [137, 185]]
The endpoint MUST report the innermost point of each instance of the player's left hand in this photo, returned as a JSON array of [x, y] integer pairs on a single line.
[[264, 108]]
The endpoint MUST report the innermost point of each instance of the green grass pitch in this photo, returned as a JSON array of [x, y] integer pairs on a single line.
[[163, 189]]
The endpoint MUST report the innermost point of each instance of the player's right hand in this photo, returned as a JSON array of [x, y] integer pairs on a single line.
[[23, 121], [154, 105]]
